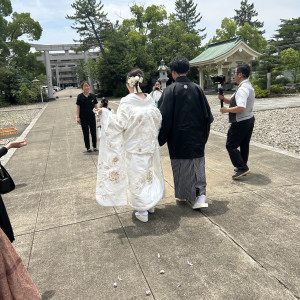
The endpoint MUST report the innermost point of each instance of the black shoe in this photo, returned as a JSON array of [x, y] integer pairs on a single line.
[[95, 149], [88, 150], [236, 170], [240, 173]]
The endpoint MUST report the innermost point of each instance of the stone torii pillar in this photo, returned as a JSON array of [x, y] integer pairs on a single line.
[[57, 75], [49, 74], [90, 81]]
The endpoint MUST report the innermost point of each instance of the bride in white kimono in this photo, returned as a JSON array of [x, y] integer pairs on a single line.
[[129, 166]]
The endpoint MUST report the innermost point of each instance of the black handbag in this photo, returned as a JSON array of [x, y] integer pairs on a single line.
[[6, 182]]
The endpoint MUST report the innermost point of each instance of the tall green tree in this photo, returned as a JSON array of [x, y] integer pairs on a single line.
[[291, 60], [245, 14], [5, 11], [18, 65], [288, 34], [229, 29], [186, 12], [252, 37], [141, 41], [269, 63], [91, 23]]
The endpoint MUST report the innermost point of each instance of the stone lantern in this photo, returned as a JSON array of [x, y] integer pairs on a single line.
[[163, 72]]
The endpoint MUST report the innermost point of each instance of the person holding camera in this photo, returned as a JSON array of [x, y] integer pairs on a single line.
[[242, 121], [156, 92], [186, 119]]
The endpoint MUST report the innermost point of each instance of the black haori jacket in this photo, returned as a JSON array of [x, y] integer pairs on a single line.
[[186, 119]]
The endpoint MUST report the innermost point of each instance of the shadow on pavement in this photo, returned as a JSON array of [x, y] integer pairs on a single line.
[[256, 179], [216, 208], [165, 220]]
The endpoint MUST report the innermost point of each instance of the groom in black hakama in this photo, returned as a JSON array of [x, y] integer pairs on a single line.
[[186, 119]]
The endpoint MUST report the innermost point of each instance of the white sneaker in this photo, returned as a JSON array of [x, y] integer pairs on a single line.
[[142, 216], [151, 210], [200, 202]]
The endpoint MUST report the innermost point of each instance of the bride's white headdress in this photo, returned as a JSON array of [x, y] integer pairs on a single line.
[[134, 81]]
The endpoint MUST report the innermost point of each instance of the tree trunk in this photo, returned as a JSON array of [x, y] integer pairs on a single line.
[[268, 81]]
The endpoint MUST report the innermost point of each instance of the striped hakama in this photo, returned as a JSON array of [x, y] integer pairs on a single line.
[[189, 175]]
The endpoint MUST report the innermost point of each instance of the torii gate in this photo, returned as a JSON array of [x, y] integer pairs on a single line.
[[223, 56], [45, 49]]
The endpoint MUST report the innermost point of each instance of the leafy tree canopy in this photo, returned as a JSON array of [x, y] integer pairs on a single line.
[[291, 60], [245, 15], [252, 37], [18, 65], [288, 34], [229, 29], [5, 8], [186, 12], [91, 23]]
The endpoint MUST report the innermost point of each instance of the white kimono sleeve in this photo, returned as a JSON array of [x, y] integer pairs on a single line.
[[111, 174]]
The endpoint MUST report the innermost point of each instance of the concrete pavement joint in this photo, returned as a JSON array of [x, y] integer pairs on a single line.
[[70, 224], [40, 198], [135, 256], [249, 255]]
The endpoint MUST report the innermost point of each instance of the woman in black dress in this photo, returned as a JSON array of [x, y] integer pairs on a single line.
[[4, 219], [85, 116]]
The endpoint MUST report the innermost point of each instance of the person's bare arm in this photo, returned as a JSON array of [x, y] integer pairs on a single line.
[[16, 144], [77, 113]]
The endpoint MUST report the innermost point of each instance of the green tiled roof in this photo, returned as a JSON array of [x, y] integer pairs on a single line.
[[215, 50]]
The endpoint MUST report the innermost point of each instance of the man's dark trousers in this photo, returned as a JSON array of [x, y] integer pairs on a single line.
[[239, 135]]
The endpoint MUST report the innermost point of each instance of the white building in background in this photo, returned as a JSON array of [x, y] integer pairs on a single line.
[[60, 63]]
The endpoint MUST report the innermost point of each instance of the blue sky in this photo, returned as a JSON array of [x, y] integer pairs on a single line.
[[57, 29]]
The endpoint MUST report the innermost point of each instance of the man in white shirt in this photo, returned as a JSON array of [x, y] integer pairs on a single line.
[[242, 120]]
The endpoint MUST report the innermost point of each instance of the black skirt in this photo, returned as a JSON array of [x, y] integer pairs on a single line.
[[5, 222]]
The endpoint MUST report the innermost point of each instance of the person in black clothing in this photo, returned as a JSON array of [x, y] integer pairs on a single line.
[[4, 219], [186, 119], [85, 116]]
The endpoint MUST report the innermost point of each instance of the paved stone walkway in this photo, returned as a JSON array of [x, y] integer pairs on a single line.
[[244, 246]]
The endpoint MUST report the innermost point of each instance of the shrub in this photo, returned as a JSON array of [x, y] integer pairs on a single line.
[[276, 89], [3, 103], [259, 93], [283, 80], [23, 95]]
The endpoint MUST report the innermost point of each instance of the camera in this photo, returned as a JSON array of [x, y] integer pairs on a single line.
[[218, 79], [157, 88]]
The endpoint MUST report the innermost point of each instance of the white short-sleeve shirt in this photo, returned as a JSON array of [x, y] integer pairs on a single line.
[[244, 97]]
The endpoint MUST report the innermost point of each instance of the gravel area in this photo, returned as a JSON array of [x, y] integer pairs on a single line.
[[18, 117], [278, 128]]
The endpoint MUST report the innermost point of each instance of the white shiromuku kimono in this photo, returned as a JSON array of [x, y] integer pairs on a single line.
[[129, 166]]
